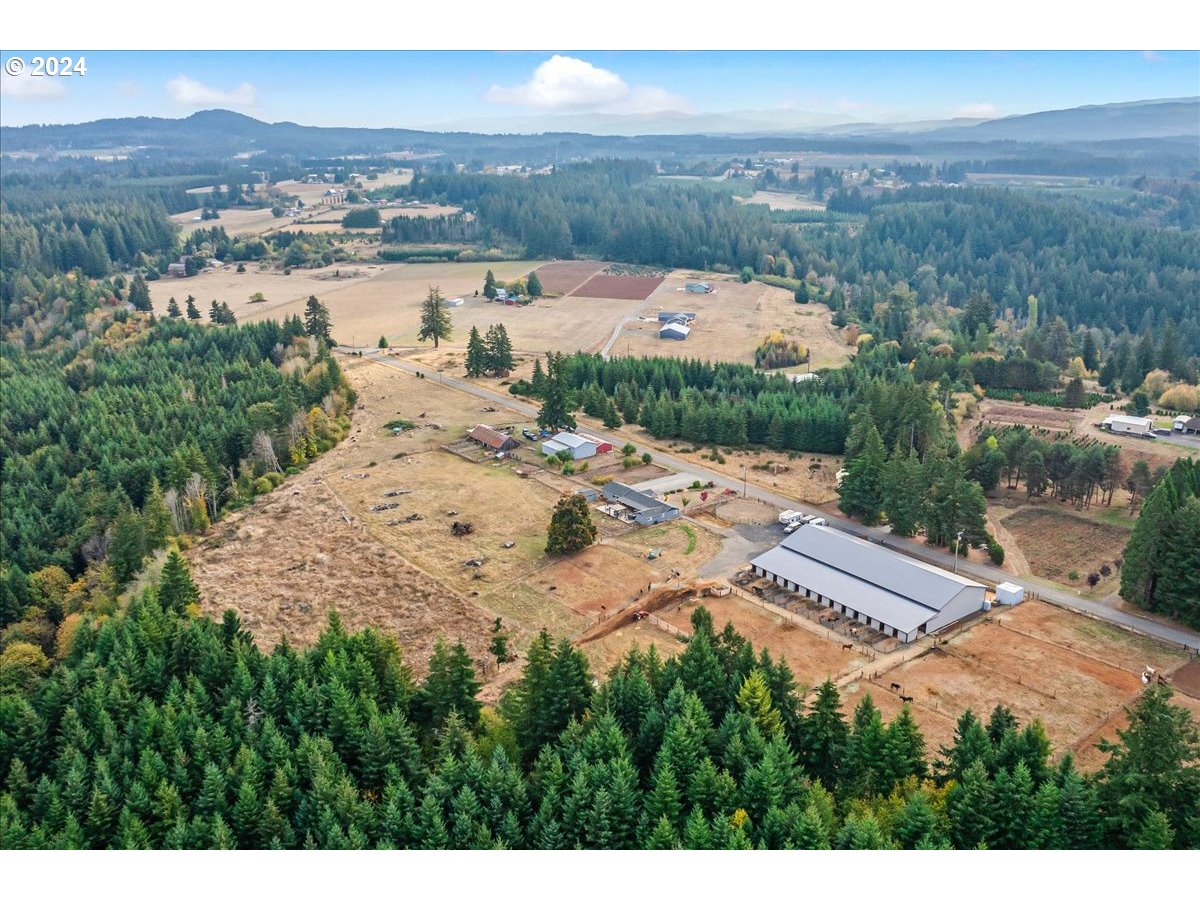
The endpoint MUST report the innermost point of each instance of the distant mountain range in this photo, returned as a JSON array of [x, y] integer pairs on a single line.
[[221, 132]]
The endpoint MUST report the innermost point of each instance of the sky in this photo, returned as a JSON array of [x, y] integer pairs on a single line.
[[491, 91]]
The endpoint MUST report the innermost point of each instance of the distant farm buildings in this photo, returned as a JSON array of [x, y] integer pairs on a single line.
[[698, 287], [492, 439], [898, 595], [176, 270], [634, 504], [602, 446], [578, 446], [671, 316]]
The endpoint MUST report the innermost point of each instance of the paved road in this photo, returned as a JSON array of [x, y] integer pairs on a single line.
[[1141, 624]]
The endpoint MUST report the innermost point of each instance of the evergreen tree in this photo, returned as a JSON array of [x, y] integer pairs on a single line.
[[1144, 553], [1152, 768], [489, 285], [533, 285], [173, 309], [571, 526], [554, 414], [316, 320], [451, 685], [176, 590], [862, 488], [192, 311], [139, 294], [435, 320], [824, 735], [477, 362], [499, 353]]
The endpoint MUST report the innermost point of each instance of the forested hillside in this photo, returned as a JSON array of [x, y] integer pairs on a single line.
[[146, 431], [159, 728]]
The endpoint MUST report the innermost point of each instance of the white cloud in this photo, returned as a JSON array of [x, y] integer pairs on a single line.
[[1152, 56], [977, 111], [575, 85], [28, 89], [129, 89], [189, 92]]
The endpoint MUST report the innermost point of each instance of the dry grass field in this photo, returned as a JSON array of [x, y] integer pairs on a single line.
[[731, 322]]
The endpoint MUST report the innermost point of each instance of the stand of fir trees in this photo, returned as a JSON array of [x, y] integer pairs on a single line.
[[491, 354], [1161, 567], [150, 431], [159, 728]]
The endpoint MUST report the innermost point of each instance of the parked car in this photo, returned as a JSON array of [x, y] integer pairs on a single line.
[[792, 527]]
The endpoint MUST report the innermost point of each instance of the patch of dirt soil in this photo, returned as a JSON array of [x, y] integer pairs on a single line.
[[564, 277], [1056, 542], [618, 287]]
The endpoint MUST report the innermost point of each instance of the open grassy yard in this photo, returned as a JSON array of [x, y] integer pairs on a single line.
[[785, 200]]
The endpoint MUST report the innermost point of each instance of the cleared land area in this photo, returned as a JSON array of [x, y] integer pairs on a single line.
[[731, 323], [564, 277], [618, 287], [781, 200], [1056, 542]]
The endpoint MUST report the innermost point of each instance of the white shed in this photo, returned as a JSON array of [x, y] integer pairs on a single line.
[[1009, 594]]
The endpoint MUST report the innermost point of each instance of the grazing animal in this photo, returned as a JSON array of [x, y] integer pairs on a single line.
[[847, 646], [896, 687], [906, 699]]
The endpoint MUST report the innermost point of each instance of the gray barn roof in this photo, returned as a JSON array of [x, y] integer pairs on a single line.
[[876, 581]]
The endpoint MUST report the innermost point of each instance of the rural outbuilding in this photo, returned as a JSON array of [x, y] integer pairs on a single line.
[[455, 301], [869, 583], [1187, 424], [1009, 594], [643, 508], [1129, 425], [493, 439], [674, 331], [578, 446], [601, 445], [699, 287], [670, 316]]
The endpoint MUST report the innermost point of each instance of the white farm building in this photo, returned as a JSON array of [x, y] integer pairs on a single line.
[[579, 447], [1129, 424], [896, 594]]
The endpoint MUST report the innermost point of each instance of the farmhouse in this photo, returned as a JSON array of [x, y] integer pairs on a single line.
[[671, 316], [1129, 425], [674, 331], [639, 506], [1187, 424], [176, 269], [492, 439], [898, 595], [578, 446]]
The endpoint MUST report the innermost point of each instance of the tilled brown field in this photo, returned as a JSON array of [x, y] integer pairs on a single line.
[[618, 287], [564, 277]]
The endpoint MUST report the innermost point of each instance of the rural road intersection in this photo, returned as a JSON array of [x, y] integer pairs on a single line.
[[1142, 624]]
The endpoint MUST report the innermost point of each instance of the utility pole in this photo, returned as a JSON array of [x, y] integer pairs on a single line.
[[957, 541], [745, 484]]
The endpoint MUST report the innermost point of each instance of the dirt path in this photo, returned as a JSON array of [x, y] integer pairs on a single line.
[[1014, 556]]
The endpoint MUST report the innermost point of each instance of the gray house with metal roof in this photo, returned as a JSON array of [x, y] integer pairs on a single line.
[[644, 508], [896, 594]]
